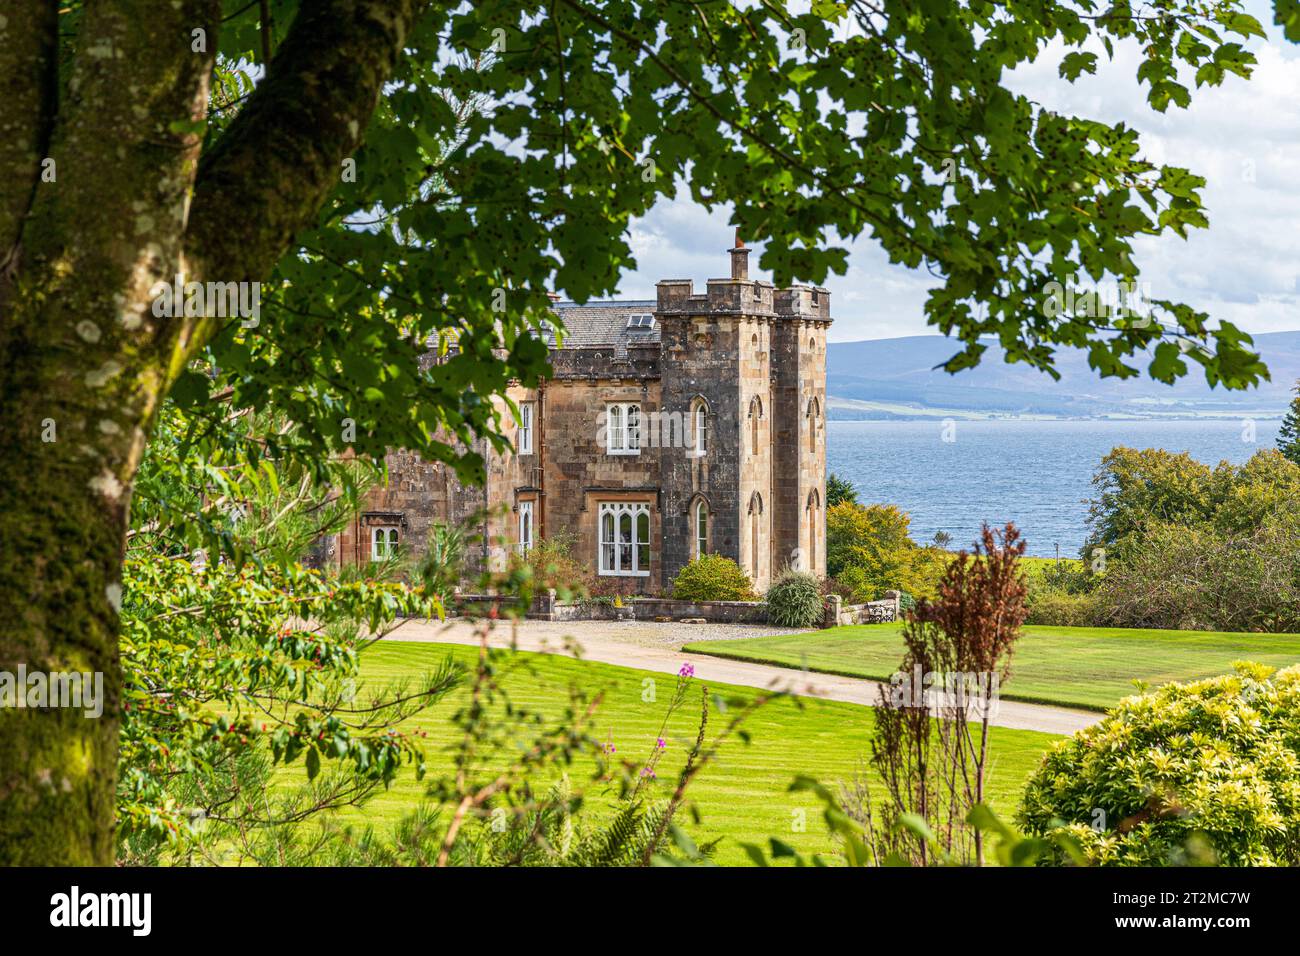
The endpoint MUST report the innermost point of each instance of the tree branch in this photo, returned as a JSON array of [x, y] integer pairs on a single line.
[[265, 180]]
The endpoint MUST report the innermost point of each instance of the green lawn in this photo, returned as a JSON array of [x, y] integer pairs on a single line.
[[741, 797], [1087, 667]]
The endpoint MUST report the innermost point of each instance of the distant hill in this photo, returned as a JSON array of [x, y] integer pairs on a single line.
[[897, 379]]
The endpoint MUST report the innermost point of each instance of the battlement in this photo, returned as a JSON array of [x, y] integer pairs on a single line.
[[742, 297], [804, 302]]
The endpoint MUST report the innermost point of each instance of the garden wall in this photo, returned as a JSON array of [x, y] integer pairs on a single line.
[[720, 612], [873, 612], [547, 607]]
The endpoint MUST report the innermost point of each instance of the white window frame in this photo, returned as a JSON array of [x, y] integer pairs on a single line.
[[524, 434], [701, 528], [391, 538], [615, 555], [700, 422], [623, 428], [525, 526]]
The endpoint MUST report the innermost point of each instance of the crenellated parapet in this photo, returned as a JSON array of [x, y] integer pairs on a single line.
[[804, 302], [750, 297]]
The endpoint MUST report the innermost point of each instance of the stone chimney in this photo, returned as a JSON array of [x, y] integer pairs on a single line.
[[739, 259]]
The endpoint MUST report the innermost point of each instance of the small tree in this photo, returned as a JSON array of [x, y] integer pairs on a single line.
[[958, 654], [869, 551], [874, 537], [838, 490], [1288, 436]]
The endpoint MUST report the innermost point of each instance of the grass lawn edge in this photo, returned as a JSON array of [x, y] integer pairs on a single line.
[[706, 648]]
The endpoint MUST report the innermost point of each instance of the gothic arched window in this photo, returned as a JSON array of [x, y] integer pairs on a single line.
[[701, 528], [699, 426], [814, 522]]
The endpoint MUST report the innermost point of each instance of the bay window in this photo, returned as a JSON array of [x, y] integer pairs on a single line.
[[624, 539]]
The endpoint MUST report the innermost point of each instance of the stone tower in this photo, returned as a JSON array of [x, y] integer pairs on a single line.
[[753, 358], [799, 445]]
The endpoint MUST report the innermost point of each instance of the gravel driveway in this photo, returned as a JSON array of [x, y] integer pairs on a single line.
[[654, 646], [635, 633]]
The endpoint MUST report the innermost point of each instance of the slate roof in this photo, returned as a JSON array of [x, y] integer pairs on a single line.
[[593, 324]]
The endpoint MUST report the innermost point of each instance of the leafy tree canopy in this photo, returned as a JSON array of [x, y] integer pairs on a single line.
[[518, 140], [1136, 490], [396, 174]]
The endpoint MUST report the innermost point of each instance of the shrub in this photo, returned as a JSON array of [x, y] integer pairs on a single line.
[[551, 564], [1207, 771], [1061, 593], [1200, 578], [1057, 609], [923, 571], [1066, 575], [712, 578], [832, 585], [794, 600], [860, 587]]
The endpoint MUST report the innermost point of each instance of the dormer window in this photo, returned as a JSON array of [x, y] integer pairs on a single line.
[[641, 320]]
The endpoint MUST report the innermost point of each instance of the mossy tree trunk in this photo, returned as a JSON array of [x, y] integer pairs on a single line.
[[103, 194]]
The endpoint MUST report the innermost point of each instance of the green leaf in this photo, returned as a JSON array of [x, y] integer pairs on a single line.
[[1077, 62], [755, 854]]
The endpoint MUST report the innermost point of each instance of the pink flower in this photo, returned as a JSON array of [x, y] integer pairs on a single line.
[[660, 743], [688, 670]]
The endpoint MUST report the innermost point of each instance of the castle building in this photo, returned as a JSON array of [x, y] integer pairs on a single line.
[[690, 424]]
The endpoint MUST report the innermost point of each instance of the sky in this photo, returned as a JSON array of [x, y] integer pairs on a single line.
[[1243, 136]]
